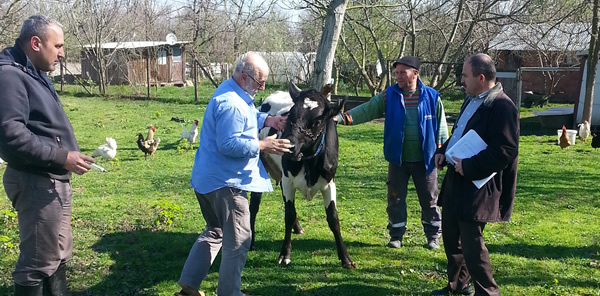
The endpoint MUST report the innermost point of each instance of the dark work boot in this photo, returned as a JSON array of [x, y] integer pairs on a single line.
[[28, 290], [56, 284]]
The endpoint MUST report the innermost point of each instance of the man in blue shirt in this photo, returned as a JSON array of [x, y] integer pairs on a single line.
[[226, 167]]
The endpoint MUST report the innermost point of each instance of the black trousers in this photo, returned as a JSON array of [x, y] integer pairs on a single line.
[[467, 255]]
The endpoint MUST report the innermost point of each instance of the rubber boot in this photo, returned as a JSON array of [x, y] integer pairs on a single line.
[[56, 284], [28, 290]]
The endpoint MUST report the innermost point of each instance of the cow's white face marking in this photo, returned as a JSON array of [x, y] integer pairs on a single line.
[[310, 104]]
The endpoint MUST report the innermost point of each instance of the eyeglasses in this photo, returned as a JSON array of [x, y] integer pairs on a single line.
[[260, 84]]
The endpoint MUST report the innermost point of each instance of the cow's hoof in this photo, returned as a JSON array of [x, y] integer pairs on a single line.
[[350, 265], [298, 230], [284, 261]]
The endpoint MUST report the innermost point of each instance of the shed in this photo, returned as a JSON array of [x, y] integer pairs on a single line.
[[542, 45], [289, 66], [130, 62]]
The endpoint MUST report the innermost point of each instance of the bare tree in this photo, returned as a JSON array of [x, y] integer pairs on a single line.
[[327, 46], [11, 15], [243, 15], [93, 23]]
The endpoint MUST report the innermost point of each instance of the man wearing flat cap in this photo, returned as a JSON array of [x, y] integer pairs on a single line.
[[415, 125]]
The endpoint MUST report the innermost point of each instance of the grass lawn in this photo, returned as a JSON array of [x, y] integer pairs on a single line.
[[134, 225]]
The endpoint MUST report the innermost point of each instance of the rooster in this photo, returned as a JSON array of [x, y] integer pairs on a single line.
[[150, 137], [584, 130], [108, 151], [596, 141], [191, 134], [564, 141], [146, 147]]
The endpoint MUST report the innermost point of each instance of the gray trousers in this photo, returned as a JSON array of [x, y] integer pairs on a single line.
[[427, 191], [43, 207], [227, 219]]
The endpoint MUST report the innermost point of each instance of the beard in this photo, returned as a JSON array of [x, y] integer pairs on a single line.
[[250, 89]]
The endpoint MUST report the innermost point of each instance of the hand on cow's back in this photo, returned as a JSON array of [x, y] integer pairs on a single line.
[[273, 145]]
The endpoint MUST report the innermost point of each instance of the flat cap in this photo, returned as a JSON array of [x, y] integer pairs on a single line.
[[409, 61]]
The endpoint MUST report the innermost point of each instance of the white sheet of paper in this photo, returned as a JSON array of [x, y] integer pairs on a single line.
[[470, 144]]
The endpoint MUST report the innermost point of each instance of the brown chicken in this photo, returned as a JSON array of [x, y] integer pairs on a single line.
[[148, 145], [564, 141]]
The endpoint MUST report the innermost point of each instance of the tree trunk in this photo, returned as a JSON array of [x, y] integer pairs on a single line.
[[327, 45], [438, 70], [592, 65]]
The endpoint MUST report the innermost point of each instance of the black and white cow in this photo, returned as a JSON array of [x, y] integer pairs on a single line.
[[311, 165]]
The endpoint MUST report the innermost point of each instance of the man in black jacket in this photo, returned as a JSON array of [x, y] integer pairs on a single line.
[[38, 143], [467, 208]]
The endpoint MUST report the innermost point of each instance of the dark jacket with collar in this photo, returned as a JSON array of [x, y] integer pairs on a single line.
[[497, 123], [35, 133]]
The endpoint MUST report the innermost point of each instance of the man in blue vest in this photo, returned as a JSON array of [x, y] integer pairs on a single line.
[[415, 125]]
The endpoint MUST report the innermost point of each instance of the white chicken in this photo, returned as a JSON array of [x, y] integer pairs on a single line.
[[190, 134], [108, 151], [2, 161], [584, 130]]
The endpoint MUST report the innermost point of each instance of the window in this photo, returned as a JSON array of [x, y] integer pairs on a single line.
[[177, 54], [161, 57]]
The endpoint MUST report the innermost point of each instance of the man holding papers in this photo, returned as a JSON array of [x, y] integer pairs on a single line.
[[489, 123]]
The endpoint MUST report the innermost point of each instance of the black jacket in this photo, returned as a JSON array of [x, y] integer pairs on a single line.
[[35, 133], [497, 122]]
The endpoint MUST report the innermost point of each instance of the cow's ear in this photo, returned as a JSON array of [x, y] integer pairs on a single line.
[[326, 89], [334, 109], [294, 90], [337, 107]]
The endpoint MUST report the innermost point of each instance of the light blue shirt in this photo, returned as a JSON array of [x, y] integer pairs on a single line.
[[228, 153], [465, 116]]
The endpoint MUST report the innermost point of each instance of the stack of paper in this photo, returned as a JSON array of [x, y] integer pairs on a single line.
[[470, 144]]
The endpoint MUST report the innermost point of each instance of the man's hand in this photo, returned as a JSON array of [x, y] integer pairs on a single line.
[[276, 122], [78, 163], [273, 145], [440, 160], [458, 166]]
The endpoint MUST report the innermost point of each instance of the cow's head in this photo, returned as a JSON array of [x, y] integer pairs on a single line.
[[307, 120]]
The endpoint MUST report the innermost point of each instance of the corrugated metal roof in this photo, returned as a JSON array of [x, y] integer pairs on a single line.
[[133, 44], [571, 37]]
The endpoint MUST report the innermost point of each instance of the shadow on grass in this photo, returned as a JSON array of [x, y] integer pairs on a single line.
[[144, 259], [531, 126], [342, 289], [540, 252], [6, 290]]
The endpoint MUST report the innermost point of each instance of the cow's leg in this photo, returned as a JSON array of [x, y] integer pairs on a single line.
[[329, 193], [288, 193], [296, 227], [255, 198]]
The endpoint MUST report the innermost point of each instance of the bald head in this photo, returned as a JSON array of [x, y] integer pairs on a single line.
[[251, 72], [251, 62]]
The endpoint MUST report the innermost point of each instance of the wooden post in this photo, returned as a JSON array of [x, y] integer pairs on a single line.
[[519, 89], [195, 73], [207, 74], [148, 73]]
